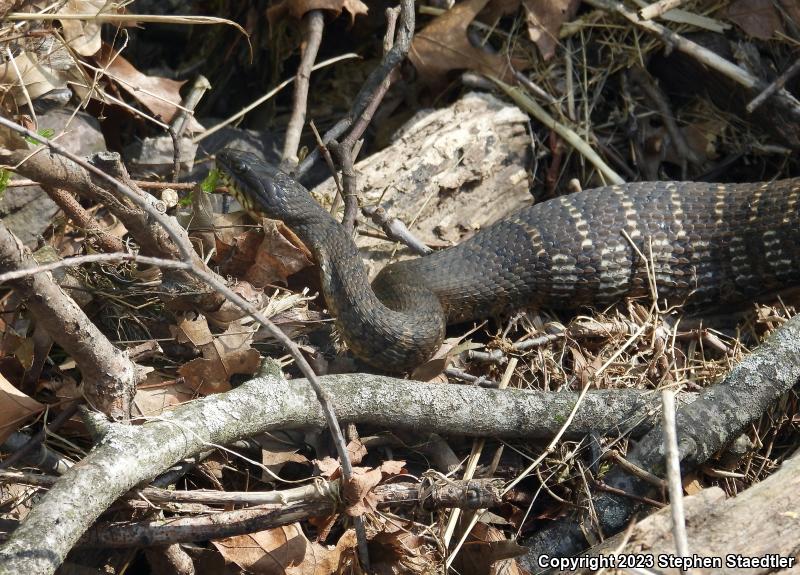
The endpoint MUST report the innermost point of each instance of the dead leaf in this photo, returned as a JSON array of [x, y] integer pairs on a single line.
[[224, 355], [488, 551], [328, 467], [433, 369], [38, 77], [266, 256], [229, 312], [278, 257], [212, 375], [758, 18], [236, 253], [279, 448], [443, 46], [544, 19], [83, 36], [356, 451], [398, 548], [298, 8], [692, 484], [358, 494], [284, 550], [15, 408], [192, 330], [157, 395], [159, 95], [275, 460]]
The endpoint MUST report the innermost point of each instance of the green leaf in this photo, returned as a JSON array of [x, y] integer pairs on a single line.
[[209, 184], [5, 177]]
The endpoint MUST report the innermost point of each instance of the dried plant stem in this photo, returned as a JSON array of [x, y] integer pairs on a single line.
[[674, 473]]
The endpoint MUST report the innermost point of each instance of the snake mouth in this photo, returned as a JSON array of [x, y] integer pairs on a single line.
[[236, 190]]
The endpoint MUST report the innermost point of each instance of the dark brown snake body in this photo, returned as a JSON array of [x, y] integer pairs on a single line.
[[701, 243]]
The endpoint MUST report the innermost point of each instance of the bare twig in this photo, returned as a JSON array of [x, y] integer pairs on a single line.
[[532, 107], [349, 186], [656, 9], [674, 473], [200, 86], [75, 212], [395, 229], [255, 104], [774, 86], [347, 149], [376, 77], [313, 24], [177, 152], [635, 470], [461, 375], [109, 376]]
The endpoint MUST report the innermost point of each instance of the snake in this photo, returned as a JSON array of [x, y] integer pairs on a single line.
[[684, 243]]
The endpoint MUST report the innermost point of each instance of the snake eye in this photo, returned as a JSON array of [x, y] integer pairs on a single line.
[[239, 166]]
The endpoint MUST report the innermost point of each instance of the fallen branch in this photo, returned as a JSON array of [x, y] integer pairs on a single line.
[[275, 508], [109, 374], [127, 455]]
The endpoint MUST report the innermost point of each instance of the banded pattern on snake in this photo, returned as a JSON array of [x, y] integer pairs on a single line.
[[702, 243]]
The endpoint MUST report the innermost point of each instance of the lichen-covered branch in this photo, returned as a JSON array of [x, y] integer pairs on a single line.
[[129, 455]]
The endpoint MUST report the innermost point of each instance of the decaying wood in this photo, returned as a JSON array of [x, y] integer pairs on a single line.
[[759, 522], [449, 173]]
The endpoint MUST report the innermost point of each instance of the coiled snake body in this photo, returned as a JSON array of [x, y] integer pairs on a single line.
[[701, 243]]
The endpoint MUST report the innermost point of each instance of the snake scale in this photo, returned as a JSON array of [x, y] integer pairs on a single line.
[[702, 243]]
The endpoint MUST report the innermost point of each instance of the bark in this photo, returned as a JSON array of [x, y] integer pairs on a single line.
[[109, 376], [127, 455]]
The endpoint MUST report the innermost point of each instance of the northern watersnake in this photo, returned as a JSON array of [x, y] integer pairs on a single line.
[[702, 243]]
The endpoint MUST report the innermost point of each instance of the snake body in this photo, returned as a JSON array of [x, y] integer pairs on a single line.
[[699, 242]]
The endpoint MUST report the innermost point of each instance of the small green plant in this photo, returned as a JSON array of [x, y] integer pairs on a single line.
[[45, 133], [209, 184], [5, 177]]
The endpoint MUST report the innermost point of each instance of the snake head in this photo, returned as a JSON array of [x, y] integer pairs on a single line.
[[261, 187]]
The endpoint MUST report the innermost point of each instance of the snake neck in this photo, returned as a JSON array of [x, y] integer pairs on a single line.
[[375, 328]]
